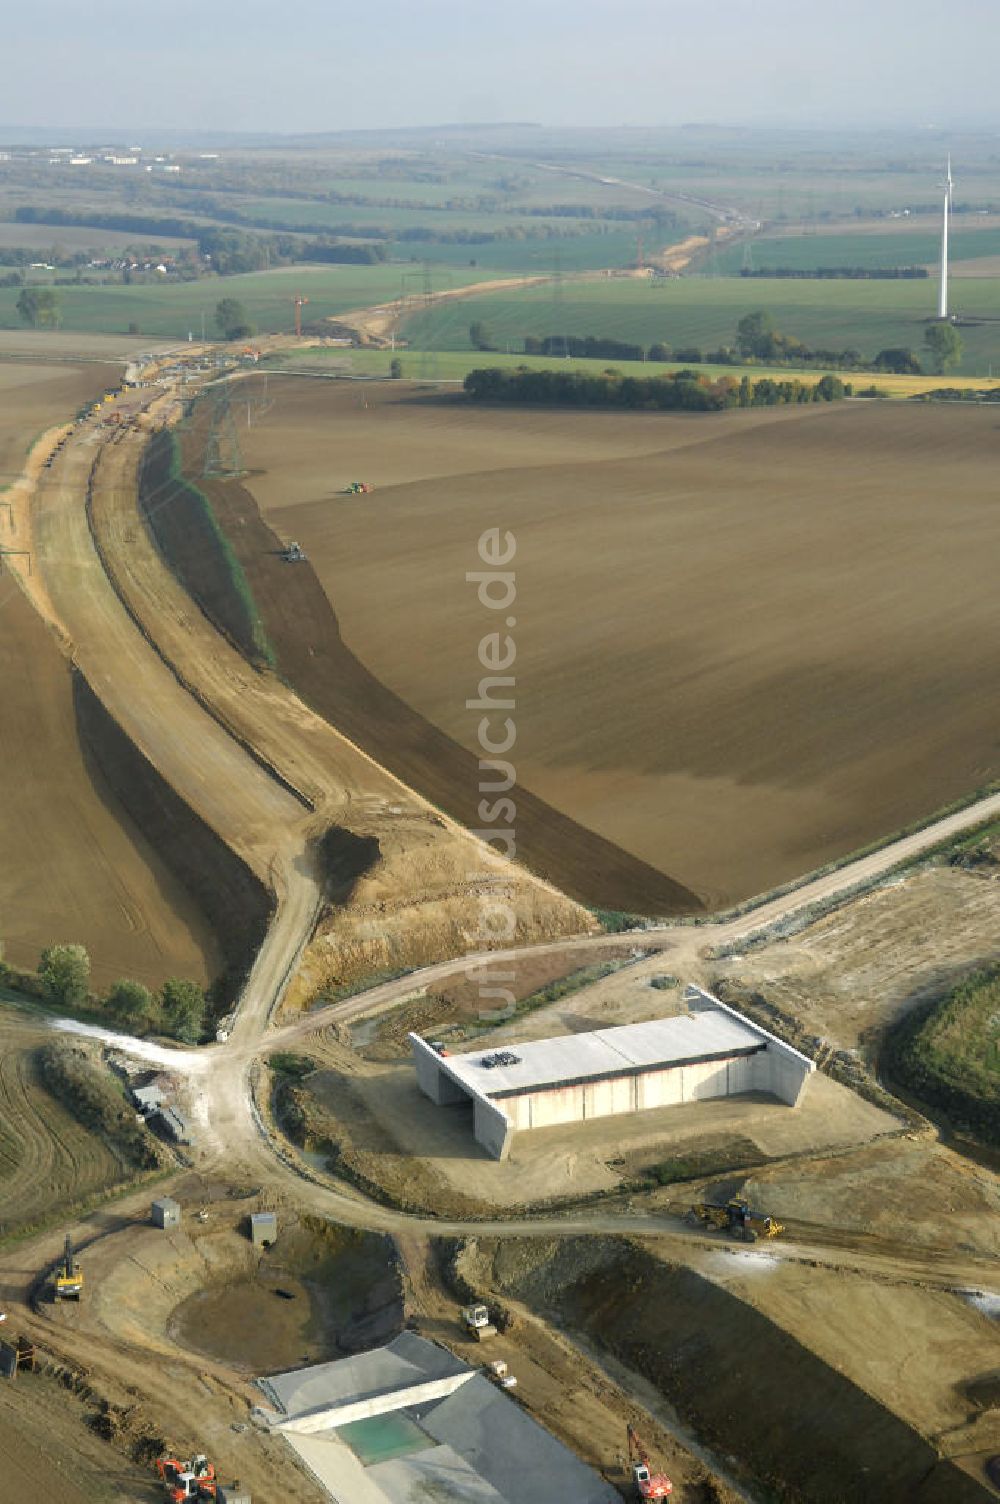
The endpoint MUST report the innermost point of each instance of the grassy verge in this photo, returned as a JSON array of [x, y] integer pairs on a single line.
[[97, 1102], [700, 1164], [948, 1055], [188, 500]]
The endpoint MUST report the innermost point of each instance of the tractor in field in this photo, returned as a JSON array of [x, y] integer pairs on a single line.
[[736, 1218], [293, 553], [359, 488]]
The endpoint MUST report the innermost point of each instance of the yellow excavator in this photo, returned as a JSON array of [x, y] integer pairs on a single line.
[[736, 1218], [68, 1275]]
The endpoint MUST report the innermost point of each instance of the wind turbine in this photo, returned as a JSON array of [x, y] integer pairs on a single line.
[[949, 187]]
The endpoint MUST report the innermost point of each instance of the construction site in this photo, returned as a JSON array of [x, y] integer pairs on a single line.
[[659, 1226]]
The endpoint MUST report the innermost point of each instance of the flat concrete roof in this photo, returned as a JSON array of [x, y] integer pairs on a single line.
[[405, 1361], [481, 1446], [508, 1449], [626, 1050]]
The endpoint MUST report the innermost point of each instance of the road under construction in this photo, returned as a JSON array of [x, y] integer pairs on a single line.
[[269, 777]]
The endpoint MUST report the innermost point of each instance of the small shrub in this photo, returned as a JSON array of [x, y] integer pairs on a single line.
[[183, 1006], [295, 1067], [64, 972], [130, 1001]]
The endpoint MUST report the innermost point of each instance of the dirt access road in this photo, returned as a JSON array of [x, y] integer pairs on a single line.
[[235, 1138], [231, 789], [266, 824], [376, 325]]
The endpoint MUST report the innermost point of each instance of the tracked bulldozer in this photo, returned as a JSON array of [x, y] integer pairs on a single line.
[[737, 1219]]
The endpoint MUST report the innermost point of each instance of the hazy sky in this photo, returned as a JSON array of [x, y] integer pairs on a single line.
[[312, 65]]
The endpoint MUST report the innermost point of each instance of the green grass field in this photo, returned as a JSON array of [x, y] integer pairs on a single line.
[[172, 310], [565, 253], [807, 251], [704, 311], [949, 1055], [454, 365]]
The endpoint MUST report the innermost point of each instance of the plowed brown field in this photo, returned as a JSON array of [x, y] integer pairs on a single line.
[[75, 868], [48, 1160], [747, 643]]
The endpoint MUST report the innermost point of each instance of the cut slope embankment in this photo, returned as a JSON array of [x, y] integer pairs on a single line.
[[76, 867], [423, 896], [807, 1434], [236, 903], [301, 625], [79, 863]]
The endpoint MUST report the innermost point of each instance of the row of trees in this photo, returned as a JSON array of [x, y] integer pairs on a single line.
[[684, 390], [63, 979], [839, 273], [757, 341]]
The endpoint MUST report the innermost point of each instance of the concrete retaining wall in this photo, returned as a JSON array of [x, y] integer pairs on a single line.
[[492, 1127], [431, 1077], [669, 1087], [774, 1067], [780, 1069], [329, 1417]]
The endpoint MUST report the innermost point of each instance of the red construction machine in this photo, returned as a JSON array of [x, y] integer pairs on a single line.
[[187, 1480], [648, 1485]]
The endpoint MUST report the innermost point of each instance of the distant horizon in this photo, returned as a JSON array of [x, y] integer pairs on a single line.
[[53, 136], [312, 68]]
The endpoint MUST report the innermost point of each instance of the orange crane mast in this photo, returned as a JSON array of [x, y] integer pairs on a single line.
[[648, 1485]]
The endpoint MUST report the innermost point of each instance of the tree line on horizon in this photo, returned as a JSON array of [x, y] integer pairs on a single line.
[[684, 390]]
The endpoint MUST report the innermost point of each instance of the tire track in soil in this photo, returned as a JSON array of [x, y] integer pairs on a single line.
[[54, 1157]]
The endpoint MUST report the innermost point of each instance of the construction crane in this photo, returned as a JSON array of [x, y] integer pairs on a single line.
[[69, 1275], [299, 302], [736, 1218], [187, 1480], [648, 1485]]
